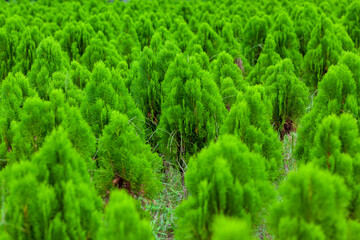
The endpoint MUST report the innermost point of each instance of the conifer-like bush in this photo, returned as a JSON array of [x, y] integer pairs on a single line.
[[100, 49], [50, 197], [125, 161], [337, 93], [288, 95], [192, 110], [122, 220], [255, 33], [336, 145], [313, 206], [268, 57], [249, 120], [38, 118], [15, 89], [208, 39], [233, 183], [149, 74], [287, 44], [323, 50], [105, 93], [229, 78], [352, 22], [305, 19], [227, 228], [49, 59]]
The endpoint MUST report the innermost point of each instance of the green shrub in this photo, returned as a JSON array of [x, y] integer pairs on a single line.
[[15, 89], [255, 33], [50, 197], [100, 49], [208, 39], [268, 57], [352, 22], [192, 110], [249, 120], [305, 19], [323, 50], [226, 228], [74, 38], [105, 93], [26, 50], [288, 95], [313, 206], [229, 78], [287, 44], [49, 59], [125, 161], [122, 220], [38, 118], [336, 145], [226, 178], [337, 93], [148, 75]]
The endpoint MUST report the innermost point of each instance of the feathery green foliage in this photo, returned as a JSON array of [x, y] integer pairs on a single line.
[[249, 120], [337, 93], [352, 22], [255, 33], [233, 183], [226, 228], [268, 57], [192, 110], [335, 148], [313, 206], [288, 95], [50, 197], [323, 50], [125, 161], [103, 95], [228, 77], [122, 220]]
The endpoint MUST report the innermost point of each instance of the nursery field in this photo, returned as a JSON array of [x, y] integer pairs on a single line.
[[179, 119]]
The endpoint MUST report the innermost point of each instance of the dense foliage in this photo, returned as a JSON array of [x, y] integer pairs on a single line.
[[189, 114]]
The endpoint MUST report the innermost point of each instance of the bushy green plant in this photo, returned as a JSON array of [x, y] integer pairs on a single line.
[[149, 74], [336, 145], [15, 89], [49, 59], [255, 33], [125, 161], [26, 50], [208, 39], [288, 95], [226, 178], [229, 78], [74, 38], [105, 93], [50, 197], [323, 50], [227, 228], [192, 110], [287, 44], [249, 120], [100, 49], [352, 22], [337, 93], [268, 57], [305, 19], [122, 220], [313, 206], [38, 118]]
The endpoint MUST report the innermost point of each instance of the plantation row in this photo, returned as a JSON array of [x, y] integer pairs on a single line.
[[98, 96]]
